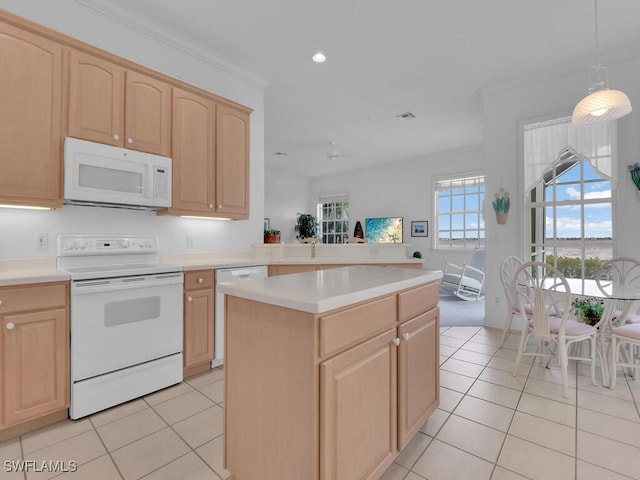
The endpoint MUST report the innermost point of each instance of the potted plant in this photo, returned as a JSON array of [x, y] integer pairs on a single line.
[[272, 236], [306, 226], [501, 204], [589, 309]]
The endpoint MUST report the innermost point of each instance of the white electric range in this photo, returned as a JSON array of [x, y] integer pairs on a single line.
[[126, 319]]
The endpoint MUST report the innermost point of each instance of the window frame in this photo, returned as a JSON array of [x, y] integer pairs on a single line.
[[439, 185]]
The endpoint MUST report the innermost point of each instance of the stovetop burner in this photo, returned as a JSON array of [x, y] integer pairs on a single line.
[[108, 256]]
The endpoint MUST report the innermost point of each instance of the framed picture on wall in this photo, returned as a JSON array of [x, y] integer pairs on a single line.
[[420, 228], [267, 223]]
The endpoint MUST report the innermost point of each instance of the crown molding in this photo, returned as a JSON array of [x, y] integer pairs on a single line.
[[173, 40]]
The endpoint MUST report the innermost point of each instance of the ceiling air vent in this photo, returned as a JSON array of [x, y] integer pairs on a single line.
[[406, 116]]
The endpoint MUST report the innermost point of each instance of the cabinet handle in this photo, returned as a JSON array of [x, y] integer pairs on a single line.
[[200, 280], [189, 299], [219, 206], [116, 137], [0, 302], [405, 336], [396, 341], [10, 326], [211, 205], [129, 140]]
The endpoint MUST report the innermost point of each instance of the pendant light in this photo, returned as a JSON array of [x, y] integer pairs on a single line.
[[602, 104]]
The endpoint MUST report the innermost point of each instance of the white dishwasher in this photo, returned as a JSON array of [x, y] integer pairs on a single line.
[[229, 275]]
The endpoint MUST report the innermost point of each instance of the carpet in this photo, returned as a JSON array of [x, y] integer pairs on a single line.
[[457, 312]]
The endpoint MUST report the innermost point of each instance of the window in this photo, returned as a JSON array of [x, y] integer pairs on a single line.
[[333, 218], [458, 205], [571, 217]]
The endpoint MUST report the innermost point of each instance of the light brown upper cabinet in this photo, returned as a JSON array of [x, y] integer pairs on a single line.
[[232, 161], [30, 119], [116, 106], [210, 158], [193, 137]]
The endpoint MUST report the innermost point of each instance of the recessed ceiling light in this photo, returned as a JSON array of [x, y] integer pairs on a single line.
[[280, 153], [406, 116], [319, 57]]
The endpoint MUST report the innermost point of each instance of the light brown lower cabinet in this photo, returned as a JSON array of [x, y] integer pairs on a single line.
[[34, 346], [198, 348], [332, 396]]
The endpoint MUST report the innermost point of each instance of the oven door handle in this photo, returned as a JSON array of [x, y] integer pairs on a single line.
[[84, 287]]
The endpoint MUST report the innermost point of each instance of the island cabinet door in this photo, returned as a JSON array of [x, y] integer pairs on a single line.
[[358, 406], [418, 373]]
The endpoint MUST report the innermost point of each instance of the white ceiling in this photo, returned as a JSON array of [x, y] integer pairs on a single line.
[[428, 57]]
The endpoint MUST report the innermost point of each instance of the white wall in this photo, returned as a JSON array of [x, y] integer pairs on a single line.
[[18, 227], [285, 197], [402, 189], [506, 107]]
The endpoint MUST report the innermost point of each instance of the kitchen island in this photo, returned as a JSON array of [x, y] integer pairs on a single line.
[[328, 374]]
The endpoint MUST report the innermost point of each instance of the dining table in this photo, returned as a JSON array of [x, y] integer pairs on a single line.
[[619, 301]]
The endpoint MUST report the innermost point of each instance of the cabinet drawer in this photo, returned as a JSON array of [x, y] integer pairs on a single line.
[[33, 297], [198, 279], [416, 301], [355, 324]]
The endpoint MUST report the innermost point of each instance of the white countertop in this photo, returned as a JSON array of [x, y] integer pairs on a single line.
[[324, 290]]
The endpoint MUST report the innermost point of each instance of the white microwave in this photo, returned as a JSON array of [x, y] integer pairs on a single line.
[[108, 176]]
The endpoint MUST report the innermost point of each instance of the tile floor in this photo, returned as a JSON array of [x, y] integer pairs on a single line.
[[490, 425]]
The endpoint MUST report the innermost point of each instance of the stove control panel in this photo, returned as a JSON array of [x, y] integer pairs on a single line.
[[106, 244]]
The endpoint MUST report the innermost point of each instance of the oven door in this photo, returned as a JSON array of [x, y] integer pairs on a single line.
[[122, 322]]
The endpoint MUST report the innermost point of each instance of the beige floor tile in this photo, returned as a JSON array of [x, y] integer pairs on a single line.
[[436, 420], [480, 347], [472, 357], [168, 393], [611, 455], [80, 449], [460, 334], [491, 392], [549, 390], [552, 410], [53, 434], [621, 391], [511, 355], [413, 450], [487, 413], [413, 476], [119, 411], [128, 429], [588, 471], [609, 405], [463, 368], [149, 453], [551, 375], [503, 474], [614, 428], [179, 408], [508, 365], [395, 472], [451, 341], [472, 437], [455, 381], [210, 376], [443, 359], [10, 449], [449, 399], [201, 427], [188, 467], [503, 378], [545, 433], [535, 462], [444, 462], [447, 351], [487, 339], [12, 468], [211, 452], [215, 391], [101, 468]]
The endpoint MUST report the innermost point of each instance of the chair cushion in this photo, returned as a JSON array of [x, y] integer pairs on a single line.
[[528, 309], [571, 329], [631, 318], [631, 330]]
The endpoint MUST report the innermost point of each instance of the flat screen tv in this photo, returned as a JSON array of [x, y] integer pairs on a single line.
[[383, 230]]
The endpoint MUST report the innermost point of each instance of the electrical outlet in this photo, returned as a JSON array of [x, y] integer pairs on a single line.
[[42, 241], [189, 240]]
